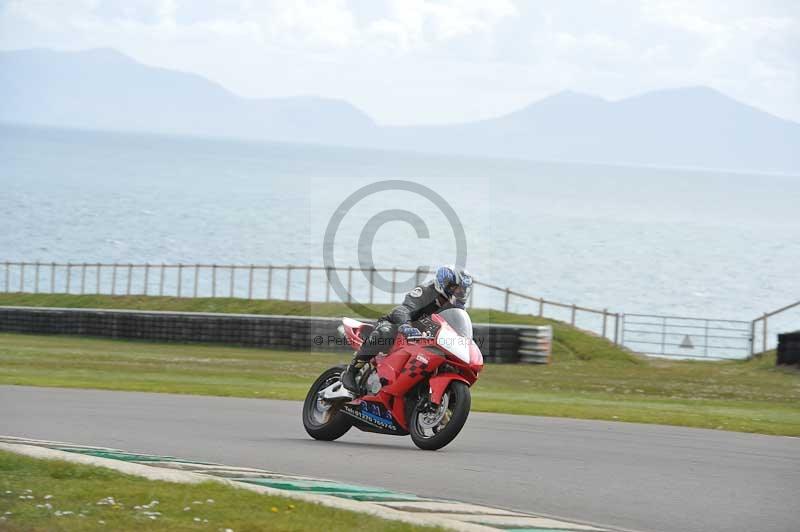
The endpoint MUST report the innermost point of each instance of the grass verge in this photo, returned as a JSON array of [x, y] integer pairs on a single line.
[[48, 495], [751, 396]]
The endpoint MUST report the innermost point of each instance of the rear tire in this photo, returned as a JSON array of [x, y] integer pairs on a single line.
[[458, 405], [323, 423]]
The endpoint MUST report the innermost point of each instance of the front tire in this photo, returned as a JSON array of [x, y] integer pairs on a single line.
[[321, 419], [433, 428]]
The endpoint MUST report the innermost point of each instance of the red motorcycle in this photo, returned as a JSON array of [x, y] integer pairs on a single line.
[[420, 387]]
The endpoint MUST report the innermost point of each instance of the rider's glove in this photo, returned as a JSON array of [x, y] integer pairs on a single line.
[[407, 330]]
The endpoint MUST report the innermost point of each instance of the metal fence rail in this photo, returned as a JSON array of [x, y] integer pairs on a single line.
[[286, 282], [684, 337], [763, 322]]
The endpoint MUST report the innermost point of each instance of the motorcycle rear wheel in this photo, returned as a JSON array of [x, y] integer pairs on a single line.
[[433, 428], [322, 420]]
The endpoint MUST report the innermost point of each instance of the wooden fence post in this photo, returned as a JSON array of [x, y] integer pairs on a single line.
[[541, 307], [508, 296], [572, 319], [371, 283], [269, 282], [616, 328], [83, 278], [113, 278], [764, 336], [250, 283], [180, 278], [605, 319], [288, 281], [349, 284]]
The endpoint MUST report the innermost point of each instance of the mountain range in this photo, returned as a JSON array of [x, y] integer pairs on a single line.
[[685, 127]]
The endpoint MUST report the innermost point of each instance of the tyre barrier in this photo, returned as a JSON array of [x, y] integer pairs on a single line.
[[498, 343], [536, 344]]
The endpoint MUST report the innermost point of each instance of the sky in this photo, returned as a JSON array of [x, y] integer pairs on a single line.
[[440, 61]]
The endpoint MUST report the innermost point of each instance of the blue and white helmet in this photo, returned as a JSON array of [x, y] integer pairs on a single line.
[[453, 283]]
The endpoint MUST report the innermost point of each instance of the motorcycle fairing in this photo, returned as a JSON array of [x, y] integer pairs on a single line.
[[373, 417]]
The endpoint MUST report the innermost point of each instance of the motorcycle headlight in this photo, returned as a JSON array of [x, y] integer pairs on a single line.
[[452, 342]]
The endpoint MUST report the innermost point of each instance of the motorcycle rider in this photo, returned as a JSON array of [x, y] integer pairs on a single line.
[[449, 288]]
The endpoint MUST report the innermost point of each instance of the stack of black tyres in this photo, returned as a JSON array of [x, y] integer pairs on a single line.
[[788, 348]]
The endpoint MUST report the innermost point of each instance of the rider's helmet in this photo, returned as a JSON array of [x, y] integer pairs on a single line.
[[453, 283]]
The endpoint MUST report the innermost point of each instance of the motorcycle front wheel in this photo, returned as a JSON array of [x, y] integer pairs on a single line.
[[434, 426], [322, 419]]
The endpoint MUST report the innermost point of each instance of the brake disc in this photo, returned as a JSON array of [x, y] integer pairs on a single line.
[[432, 419]]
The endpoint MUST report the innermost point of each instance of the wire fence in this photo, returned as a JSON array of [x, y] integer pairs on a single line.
[[285, 282], [760, 327]]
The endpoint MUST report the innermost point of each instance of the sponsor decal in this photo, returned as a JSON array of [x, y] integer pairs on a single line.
[[416, 292], [422, 359], [373, 414]]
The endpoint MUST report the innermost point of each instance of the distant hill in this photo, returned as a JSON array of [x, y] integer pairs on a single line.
[[104, 89], [687, 127]]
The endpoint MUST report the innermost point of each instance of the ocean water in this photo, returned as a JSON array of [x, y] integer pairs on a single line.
[[631, 240]]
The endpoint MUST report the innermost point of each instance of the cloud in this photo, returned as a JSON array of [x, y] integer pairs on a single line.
[[428, 61]]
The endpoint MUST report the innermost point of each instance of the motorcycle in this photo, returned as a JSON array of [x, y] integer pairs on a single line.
[[420, 387]]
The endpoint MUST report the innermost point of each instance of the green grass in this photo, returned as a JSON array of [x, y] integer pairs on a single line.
[[28, 486], [568, 342], [751, 396]]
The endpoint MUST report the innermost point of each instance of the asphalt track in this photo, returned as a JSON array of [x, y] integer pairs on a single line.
[[640, 477]]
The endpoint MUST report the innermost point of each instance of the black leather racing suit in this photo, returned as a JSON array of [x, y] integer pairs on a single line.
[[419, 303]]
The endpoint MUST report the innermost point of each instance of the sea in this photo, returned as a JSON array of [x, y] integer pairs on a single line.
[[685, 242]]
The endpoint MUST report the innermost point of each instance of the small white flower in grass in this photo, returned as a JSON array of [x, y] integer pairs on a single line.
[[210, 501], [187, 508], [101, 522], [197, 519], [152, 516], [28, 491], [205, 520], [47, 497], [228, 530], [8, 492], [7, 513], [197, 502]]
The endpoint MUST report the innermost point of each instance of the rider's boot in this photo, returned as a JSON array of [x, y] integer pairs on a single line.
[[349, 375]]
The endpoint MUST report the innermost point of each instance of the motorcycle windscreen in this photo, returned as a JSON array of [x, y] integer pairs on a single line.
[[459, 320]]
